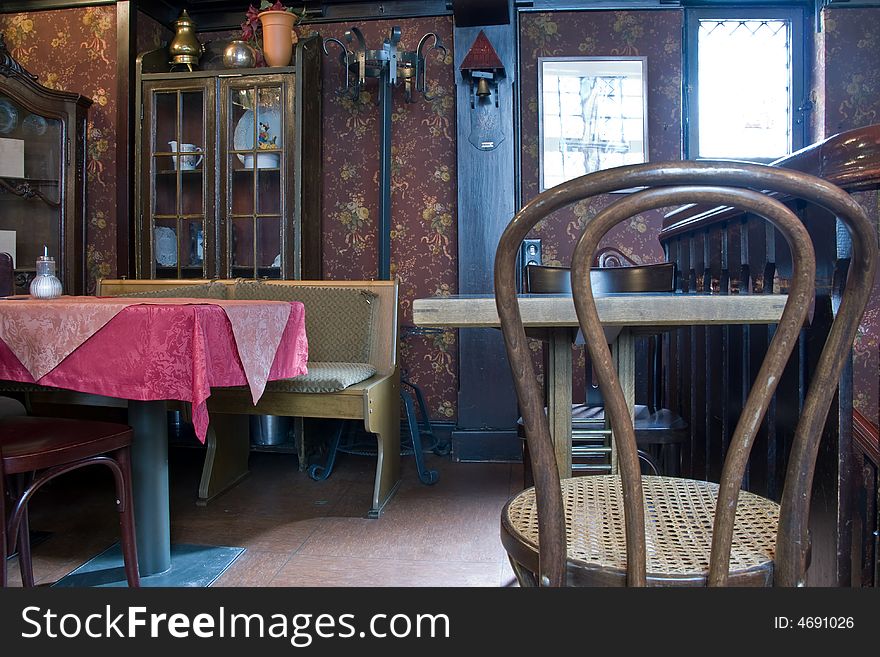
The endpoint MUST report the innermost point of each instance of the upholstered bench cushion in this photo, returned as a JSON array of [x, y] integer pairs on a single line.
[[202, 291], [339, 320], [324, 377]]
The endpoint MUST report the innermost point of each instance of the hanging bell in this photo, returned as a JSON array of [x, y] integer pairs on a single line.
[[185, 47], [483, 88]]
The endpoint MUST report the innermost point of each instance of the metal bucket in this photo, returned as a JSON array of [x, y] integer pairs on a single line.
[[270, 429], [179, 430]]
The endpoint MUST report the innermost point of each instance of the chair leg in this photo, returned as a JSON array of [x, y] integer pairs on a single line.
[[124, 503], [4, 548], [649, 460], [526, 578], [426, 476], [25, 561]]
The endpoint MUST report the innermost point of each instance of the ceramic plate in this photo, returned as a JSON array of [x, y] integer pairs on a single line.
[[34, 124], [8, 116], [165, 240], [269, 136]]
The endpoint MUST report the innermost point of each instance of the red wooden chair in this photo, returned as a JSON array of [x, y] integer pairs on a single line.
[[35, 450]]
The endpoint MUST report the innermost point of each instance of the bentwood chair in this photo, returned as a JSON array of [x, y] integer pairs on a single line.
[[35, 450], [636, 530]]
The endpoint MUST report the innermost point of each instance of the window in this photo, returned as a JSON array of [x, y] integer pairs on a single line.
[[592, 115], [744, 84]]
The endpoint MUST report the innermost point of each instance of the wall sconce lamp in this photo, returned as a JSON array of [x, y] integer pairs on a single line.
[[483, 68]]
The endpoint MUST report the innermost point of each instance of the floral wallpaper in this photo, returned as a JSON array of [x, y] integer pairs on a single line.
[[424, 246], [652, 34], [75, 50], [852, 100]]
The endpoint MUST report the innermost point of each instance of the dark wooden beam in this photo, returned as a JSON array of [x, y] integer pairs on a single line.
[[126, 44], [484, 411], [469, 13], [14, 6]]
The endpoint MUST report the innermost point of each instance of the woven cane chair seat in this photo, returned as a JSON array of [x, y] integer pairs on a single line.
[[678, 527]]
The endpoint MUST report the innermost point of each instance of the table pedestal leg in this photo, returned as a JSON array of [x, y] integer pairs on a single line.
[[160, 563], [624, 355], [558, 383], [149, 464]]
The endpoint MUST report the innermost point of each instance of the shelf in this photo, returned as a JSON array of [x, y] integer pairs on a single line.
[[165, 172], [32, 181], [262, 272], [192, 271]]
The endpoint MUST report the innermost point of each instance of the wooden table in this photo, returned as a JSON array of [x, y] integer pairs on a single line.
[[556, 315]]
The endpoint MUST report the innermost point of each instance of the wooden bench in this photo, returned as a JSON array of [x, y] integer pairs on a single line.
[[375, 400]]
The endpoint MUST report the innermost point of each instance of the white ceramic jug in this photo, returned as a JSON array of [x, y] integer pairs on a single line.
[[187, 162]]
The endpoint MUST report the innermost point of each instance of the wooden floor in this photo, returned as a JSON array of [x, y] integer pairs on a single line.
[[298, 532]]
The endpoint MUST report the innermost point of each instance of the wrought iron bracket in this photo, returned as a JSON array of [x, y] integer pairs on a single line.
[[392, 68]]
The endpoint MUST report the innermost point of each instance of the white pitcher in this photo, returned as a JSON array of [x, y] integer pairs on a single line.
[[187, 162]]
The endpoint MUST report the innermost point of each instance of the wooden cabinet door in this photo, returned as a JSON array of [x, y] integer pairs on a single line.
[[42, 176], [178, 179], [259, 227]]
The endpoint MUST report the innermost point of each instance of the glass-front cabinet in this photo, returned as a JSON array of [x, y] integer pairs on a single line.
[[42, 176], [229, 171]]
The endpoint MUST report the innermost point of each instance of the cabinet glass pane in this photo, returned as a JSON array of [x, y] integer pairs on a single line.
[[241, 242], [193, 248], [165, 120], [269, 191], [30, 188], [191, 198], [165, 248], [192, 124], [242, 190], [269, 246], [256, 122], [165, 198]]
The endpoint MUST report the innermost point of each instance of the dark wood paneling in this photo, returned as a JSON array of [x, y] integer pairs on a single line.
[[126, 44], [486, 397], [309, 177], [866, 502]]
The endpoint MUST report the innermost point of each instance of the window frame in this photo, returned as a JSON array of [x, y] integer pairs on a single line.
[[643, 74], [799, 70]]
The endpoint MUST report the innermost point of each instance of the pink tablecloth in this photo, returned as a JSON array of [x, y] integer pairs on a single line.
[[174, 349]]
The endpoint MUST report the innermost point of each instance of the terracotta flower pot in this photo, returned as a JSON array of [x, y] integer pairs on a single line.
[[278, 36]]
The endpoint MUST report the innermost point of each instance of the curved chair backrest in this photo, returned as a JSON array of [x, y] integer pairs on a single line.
[[545, 279], [735, 184]]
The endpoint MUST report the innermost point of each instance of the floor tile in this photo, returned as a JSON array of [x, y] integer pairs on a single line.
[[299, 532], [304, 570]]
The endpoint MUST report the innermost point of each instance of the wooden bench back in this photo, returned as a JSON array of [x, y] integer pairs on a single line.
[[383, 347]]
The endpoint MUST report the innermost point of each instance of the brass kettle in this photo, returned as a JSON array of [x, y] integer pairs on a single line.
[[185, 47]]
